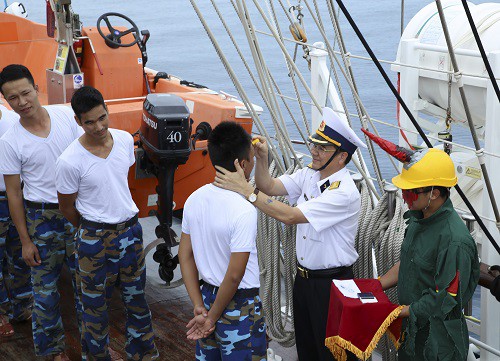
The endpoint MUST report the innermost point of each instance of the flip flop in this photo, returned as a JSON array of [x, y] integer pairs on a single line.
[[64, 357], [6, 329], [115, 355]]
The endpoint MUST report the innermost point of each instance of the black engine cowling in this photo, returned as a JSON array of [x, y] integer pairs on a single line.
[[166, 129], [165, 135]]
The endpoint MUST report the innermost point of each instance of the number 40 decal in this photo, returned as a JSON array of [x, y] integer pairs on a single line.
[[174, 137]]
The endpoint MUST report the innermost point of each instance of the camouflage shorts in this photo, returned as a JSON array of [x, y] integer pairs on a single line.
[[53, 235], [240, 333], [106, 258], [16, 293]]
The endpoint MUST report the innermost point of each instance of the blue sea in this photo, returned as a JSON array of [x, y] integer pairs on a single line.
[[180, 46]]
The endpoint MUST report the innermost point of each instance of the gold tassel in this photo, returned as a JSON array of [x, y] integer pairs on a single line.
[[338, 346]]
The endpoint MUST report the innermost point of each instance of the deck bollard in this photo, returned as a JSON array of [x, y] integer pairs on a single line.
[[357, 178], [391, 191]]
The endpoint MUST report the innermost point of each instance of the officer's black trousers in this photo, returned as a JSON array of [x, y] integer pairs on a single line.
[[311, 298]]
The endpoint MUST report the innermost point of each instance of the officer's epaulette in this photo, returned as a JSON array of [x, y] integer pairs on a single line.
[[334, 185]]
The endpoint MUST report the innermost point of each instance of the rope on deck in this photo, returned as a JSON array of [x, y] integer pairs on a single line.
[[378, 232], [277, 262]]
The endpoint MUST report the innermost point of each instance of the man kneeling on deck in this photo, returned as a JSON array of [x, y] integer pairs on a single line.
[[93, 172], [219, 229]]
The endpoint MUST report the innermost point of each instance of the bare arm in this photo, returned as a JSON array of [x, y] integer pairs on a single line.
[[390, 279], [189, 270], [68, 209], [17, 213], [263, 180], [203, 326], [236, 182], [190, 276], [235, 272]]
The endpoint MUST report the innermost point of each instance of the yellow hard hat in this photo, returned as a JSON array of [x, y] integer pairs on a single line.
[[435, 168]]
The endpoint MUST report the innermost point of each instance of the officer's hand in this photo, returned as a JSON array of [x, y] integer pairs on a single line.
[[233, 181], [30, 255], [260, 147]]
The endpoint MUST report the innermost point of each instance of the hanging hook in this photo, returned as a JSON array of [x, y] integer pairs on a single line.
[[298, 8]]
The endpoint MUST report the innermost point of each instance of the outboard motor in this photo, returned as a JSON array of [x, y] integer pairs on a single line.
[[165, 135]]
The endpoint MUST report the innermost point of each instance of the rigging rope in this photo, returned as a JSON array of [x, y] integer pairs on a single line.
[[351, 85], [276, 253], [363, 267], [413, 120], [481, 49], [233, 76], [359, 107]]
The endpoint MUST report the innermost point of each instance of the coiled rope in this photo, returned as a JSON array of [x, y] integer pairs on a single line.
[[363, 268], [385, 236], [277, 261]]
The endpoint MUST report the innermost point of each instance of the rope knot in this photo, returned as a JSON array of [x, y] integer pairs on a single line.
[[348, 58], [480, 156], [458, 77]]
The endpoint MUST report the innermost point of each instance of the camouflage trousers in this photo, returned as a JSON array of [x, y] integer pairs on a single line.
[[53, 235], [16, 293], [105, 258], [240, 333]]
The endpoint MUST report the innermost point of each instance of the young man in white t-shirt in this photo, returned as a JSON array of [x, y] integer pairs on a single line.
[[92, 185], [16, 293], [29, 150], [219, 229]]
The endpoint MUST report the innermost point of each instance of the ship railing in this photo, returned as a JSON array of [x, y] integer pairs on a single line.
[[391, 62]]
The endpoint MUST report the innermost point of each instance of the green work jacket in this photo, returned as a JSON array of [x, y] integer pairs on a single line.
[[438, 274]]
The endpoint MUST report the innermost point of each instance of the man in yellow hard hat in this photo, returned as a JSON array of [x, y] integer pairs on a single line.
[[438, 269]]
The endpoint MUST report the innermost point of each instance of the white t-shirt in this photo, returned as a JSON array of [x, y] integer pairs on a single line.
[[219, 223], [7, 120], [102, 184], [34, 158], [327, 241]]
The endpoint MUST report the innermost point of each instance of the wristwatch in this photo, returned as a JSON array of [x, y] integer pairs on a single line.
[[253, 196]]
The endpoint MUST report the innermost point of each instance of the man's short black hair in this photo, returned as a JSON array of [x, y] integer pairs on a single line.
[[348, 158], [444, 192], [85, 99], [14, 72], [227, 142]]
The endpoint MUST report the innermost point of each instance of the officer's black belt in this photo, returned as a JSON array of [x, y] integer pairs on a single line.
[[3, 194], [240, 292], [40, 205], [110, 226], [322, 273]]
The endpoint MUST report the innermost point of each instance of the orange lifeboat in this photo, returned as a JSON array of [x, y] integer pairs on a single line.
[[120, 76], [62, 57]]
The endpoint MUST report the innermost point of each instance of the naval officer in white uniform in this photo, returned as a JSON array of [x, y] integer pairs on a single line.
[[326, 213]]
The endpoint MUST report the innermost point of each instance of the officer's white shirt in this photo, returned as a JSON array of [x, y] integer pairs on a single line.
[[327, 241]]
